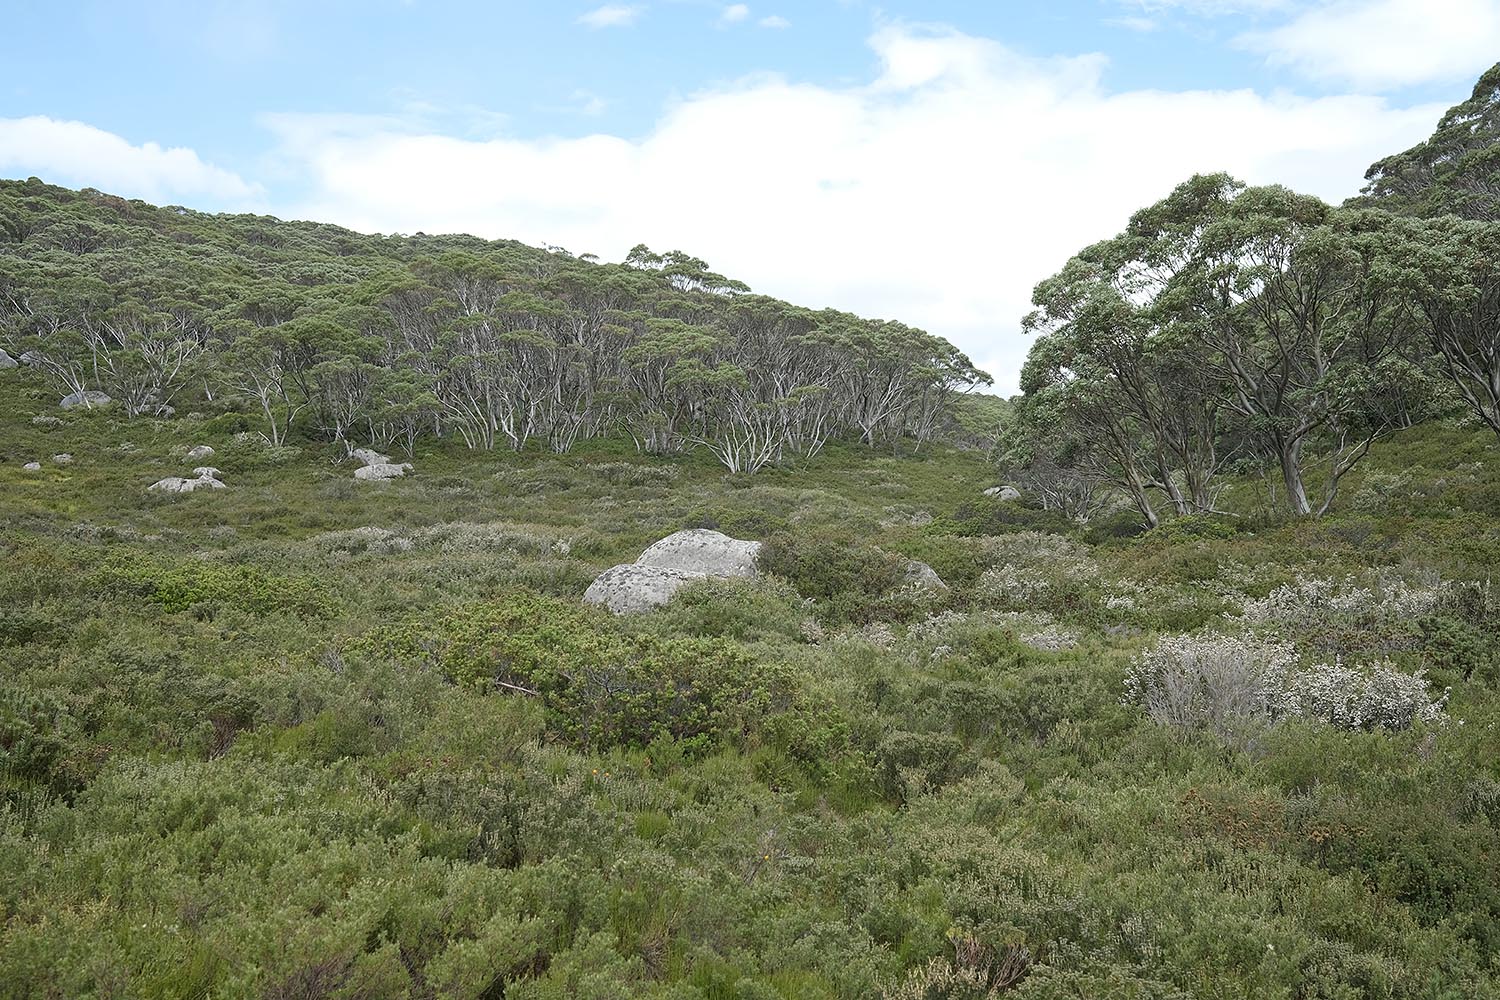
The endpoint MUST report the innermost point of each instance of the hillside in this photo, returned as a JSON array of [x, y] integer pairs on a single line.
[[251, 747], [388, 339]]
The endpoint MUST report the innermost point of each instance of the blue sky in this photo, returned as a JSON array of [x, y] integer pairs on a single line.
[[925, 161]]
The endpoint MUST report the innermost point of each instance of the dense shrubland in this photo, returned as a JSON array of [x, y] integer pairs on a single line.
[[384, 340], [314, 738]]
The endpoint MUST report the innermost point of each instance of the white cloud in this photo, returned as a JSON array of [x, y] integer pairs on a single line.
[[80, 155], [1206, 8], [734, 13], [611, 15], [1383, 44], [938, 192], [774, 21]]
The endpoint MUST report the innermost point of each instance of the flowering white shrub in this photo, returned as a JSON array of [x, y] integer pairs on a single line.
[[1379, 489], [468, 536], [935, 626], [367, 539], [1053, 639], [1376, 697], [1061, 555], [1223, 683], [1217, 682], [1011, 586], [1334, 616]]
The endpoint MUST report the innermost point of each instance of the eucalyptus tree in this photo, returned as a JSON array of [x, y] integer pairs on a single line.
[[1447, 271], [1278, 292], [1078, 417], [1129, 366], [1456, 171]]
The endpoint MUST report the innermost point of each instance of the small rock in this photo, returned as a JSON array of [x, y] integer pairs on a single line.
[[32, 466], [631, 588], [198, 453], [369, 456], [63, 459], [6, 361], [1003, 492], [699, 550], [382, 470], [207, 472], [46, 421], [923, 576], [31, 359], [88, 399]]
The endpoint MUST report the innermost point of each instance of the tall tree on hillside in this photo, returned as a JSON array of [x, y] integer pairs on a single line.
[[1277, 290], [1454, 172], [1102, 315], [1448, 273]]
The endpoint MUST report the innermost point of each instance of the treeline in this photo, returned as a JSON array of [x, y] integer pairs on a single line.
[[1256, 328], [388, 339]]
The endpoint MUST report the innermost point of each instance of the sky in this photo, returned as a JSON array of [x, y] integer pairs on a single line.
[[927, 162]]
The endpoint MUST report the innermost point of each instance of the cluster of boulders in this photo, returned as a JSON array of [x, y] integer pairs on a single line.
[[205, 477], [63, 458], [669, 565], [374, 465]]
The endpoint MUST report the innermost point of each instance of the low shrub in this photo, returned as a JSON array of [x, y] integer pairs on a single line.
[[603, 686], [848, 581], [1233, 685]]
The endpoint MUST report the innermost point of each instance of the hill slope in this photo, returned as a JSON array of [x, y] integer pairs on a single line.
[[252, 743]]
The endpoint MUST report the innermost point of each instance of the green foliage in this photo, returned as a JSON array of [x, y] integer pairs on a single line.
[[603, 687], [205, 588], [847, 580]]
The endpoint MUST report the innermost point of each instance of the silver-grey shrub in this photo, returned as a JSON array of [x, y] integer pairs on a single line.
[[1232, 684]]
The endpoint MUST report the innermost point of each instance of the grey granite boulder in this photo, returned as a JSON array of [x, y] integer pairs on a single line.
[[700, 550], [369, 456], [205, 479], [6, 361], [663, 569], [1003, 492], [199, 452], [88, 399], [631, 588], [383, 470], [32, 466], [62, 459], [923, 577]]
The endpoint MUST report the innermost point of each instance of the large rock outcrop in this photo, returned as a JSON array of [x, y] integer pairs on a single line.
[[670, 564], [6, 361]]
